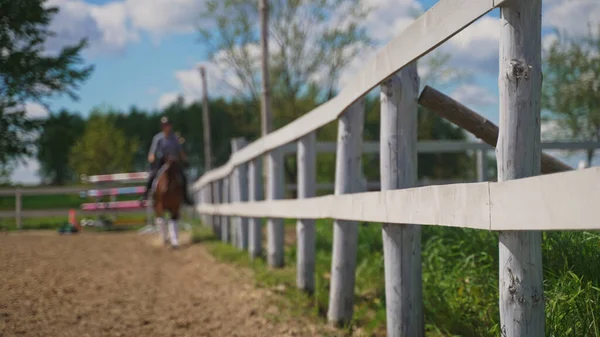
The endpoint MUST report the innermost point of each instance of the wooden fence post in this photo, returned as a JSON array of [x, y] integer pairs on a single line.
[[345, 233], [519, 156], [225, 234], [202, 201], [401, 242], [210, 199], [215, 186], [203, 217], [275, 230], [254, 185], [482, 165], [240, 194], [305, 228], [232, 219], [206, 197], [18, 201]]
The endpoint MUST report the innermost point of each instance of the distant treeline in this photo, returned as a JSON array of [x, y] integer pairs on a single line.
[[110, 140]]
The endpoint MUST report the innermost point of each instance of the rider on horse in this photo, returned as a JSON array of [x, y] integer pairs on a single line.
[[165, 144]]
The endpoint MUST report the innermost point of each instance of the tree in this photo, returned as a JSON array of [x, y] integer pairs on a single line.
[[59, 133], [571, 88], [30, 73], [103, 148], [312, 41]]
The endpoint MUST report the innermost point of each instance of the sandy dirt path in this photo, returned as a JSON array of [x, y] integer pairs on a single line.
[[128, 285]]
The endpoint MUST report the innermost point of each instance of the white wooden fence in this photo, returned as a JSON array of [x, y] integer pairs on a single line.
[[519, 206]]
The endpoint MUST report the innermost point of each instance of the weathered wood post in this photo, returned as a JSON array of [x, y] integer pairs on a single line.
[[254, 194], [275, 189], [240, 194], [18, 201], [232, 219], [305, 228], [519, 154], [345, 233], [225, 234], [205, 121], [201, 199], [401, 242], [206, 196], [216, 190], [482, 165]]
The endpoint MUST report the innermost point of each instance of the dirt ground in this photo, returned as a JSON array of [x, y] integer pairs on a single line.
[[129, 285]]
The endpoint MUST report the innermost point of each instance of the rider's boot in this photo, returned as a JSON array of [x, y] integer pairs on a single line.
[[148, 187]]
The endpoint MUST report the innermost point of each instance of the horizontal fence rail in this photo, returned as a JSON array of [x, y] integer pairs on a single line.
[[544, 203], [447, 146]]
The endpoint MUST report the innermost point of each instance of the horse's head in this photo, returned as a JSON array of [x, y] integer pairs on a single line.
[[168, 175]]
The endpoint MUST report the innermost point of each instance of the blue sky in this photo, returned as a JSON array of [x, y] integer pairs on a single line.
[[145, 51]]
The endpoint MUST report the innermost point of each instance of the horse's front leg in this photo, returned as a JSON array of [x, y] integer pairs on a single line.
[[161, 222], [174, 230]]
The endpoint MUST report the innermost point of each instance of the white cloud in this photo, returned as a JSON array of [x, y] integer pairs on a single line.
[[105, 26], [572, 16], [32, 110], [112, 26], [26, 173], [389, 17], [164, 16], [167, 99], [220, 81], [112, 21], [36, 110], [476, 47], [473, 95]]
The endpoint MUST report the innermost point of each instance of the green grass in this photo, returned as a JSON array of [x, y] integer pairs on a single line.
[[460, 280], [41, 202]]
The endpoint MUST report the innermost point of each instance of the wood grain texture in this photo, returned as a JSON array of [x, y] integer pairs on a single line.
[[254, 224], [205, 122], [216, 190], [348, 171], [518, 154], [305, 228], [275, 230], [398, 166], [225, 233], [240, 194]]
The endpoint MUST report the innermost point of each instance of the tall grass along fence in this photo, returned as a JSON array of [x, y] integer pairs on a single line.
[[519, 206]]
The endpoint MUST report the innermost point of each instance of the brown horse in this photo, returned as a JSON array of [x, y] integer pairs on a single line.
[[168, 195]]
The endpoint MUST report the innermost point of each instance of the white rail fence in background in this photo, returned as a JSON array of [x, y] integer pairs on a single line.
[[520, 205]]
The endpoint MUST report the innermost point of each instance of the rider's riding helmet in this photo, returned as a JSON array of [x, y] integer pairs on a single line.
[[164, 121]]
